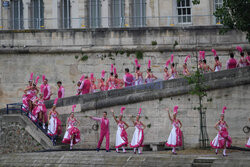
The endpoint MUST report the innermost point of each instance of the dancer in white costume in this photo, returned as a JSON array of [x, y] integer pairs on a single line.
[[138, 137], [138, 74], [185, 69], [150, 77], [72, 134], [166, 74], [222, 139], [175, 137], [217, 64], [248, 142], [121, 134], [174, 73]]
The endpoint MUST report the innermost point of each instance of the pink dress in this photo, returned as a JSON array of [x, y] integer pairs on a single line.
[[111, 84], [54, 127], [219, 140], [72, 130], [138, 137], [175, 137], [40, 107], [121, 136]]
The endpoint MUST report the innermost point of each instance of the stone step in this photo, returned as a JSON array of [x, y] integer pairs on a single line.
[[201, 164]]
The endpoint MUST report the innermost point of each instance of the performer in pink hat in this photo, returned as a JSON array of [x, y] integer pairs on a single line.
[[222, 140], [121, 134], [185, 69], [175, 137], [54, 126], [128, 78], [217, 64], [231, 63], [138, 137], [72, 134], [205, 67], [111, 80], [45, 89], [93, 85], [61, 90], [174, 73], [243, 61], [118, 82], [80, 84], [201, 58], [101, 83], [166, 74], [150, 76], [40, 111], [138, 74], [104, 121]]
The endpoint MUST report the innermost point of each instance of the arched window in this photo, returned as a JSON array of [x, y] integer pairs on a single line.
[[94, 7], [65, 14], [117, 13], [139, 13], [37, 14], [17, 14]]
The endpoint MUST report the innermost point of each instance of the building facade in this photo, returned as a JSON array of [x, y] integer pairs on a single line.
[[67, 14]]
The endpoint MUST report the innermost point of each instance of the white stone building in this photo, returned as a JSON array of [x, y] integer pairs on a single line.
[[64, 14]]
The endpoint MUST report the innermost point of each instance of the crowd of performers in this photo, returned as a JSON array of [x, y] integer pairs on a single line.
[[33, 102]]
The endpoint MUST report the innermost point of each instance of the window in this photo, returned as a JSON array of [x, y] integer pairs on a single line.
[[65, 14], [184, 11], [17, 14], [94, 13], [37, 14], [139, 13], [117, 13], [217, 4]]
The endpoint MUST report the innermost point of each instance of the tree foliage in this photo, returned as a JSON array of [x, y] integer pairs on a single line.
[[235, 14]]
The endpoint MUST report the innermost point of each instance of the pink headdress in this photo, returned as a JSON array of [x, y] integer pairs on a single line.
[[122, 109], [139, 113], [214, 51], [202, 55], [31, 76], [43, 78], [81, 79], [149, 64], [239, 48], [55, 102], [112, 68], [167, 63], [136, 62], [186, 59], [115, 71], [37, 78], [73, 107], [92, 76], [103, 74], [176, 109], [223, 110], [172, 58]]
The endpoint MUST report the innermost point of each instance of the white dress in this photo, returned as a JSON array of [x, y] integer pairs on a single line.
[[139, 81], [248, 143], [217, 68], [175, 137], [138, 137], [121, 136], [54, 123]]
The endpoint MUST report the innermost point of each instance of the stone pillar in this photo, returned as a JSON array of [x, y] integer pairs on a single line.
[[26, 14], [152, 15], [127, 12], [75, 21], [49, 7], [104, 13]]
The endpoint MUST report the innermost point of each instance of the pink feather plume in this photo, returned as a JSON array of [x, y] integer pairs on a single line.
[[139, 113], [73, 108], [122, 109], [91, 76], [55, 101], [172, 58], [112, 68], [223, 110], [176, 109], [37, 78], [82, 78], [214, 51], [31, 76], [239, 48], [203, 55], [167, 63], [43, 77], [187, 57], [115, 72], [149, 64], [136, 62], [103, 73]]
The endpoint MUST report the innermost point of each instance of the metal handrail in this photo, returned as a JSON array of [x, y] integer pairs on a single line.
[[30, 115]]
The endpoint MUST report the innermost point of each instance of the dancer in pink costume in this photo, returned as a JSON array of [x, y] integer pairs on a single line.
[[243, 61], [101, 83], [45, 89], [166, 74], [204, 68], [217, 64], [80, 84], [30, 94], [231, 63], [248, 142], [93, 85], [118, 82], [150, 77], [128, 78], [175, 137], [111, 81], [174, 73], [104, 121], [86, 85], [54, 125], [222, 140], [121, 134], [138, 137], [40, 111], [185, 69], [201, 58], [61, 90], [138, 74], [72, 135]]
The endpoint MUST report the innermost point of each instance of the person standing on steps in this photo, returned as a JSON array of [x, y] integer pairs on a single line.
[[104, 121], [45, 89], [128, 78], [86, 85], [111, 80], [138, 74], [39, 112], [61, 90], [232, 62], [138, 137], [166, 74], [185, 71], [222, 139], [217, 63], [175, 137], [72, 135], [121, 134], [150, 77]]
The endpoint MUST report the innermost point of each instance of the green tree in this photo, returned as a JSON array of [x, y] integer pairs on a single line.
[[235, 14]]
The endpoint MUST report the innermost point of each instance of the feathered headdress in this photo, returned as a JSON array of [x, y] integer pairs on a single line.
[[167, 63], [103, 74], [202, 55], [139, 113], [115, 71], [214, 51], [136, 62], [186, 59], [55, 101], [31, 76], [176, 109], [112, 68], [172, 58], [91, 76], [223, 110], [122, 109], [239, 48], [43, 78], [82, 78], [37, 78], [149, 64], [73, 108]]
